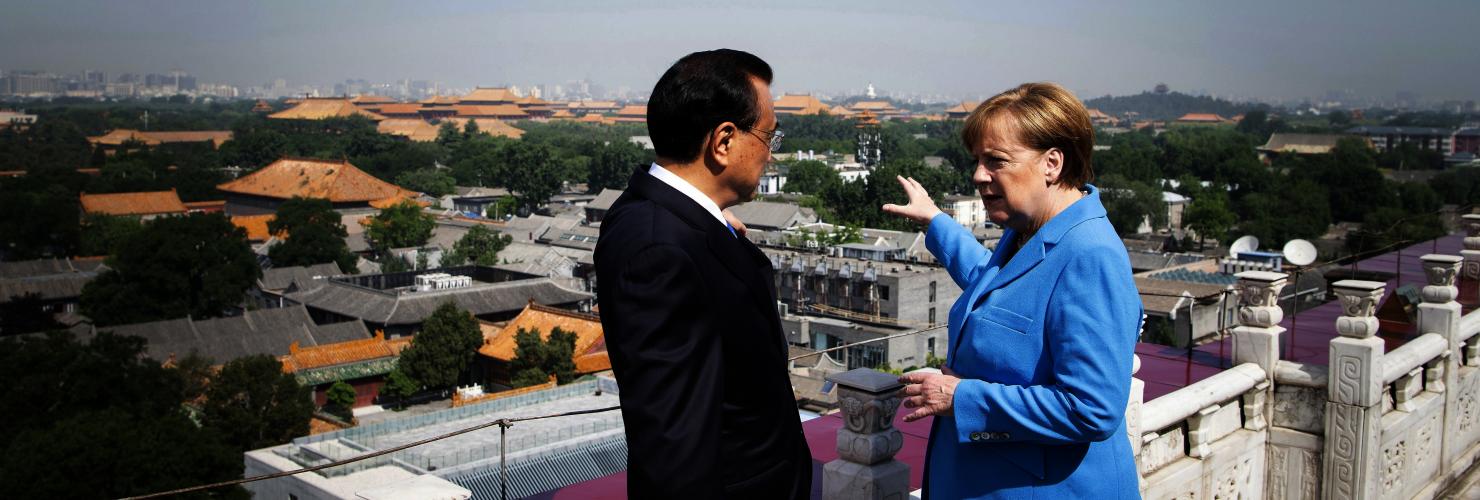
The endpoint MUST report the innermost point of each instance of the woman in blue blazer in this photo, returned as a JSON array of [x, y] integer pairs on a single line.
[[1031, 403]]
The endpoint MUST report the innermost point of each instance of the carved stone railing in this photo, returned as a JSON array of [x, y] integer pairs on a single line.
[[1206, 440], [866, 468], [1471, 253]]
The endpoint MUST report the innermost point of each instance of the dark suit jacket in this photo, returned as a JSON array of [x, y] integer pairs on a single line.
[[696, 343]]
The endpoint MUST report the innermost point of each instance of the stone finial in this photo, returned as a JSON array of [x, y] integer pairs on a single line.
[[1472, 231], [1358, 307], [1441, 271], [865, 467], [1259, 298]]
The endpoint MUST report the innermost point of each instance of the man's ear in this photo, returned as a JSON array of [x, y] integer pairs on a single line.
[[1053, 165], [721, 140]]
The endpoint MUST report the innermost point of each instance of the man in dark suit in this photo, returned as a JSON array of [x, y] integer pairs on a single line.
[[686, 302]]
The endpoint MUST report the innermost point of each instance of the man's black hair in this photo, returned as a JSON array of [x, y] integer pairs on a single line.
[[699, 92]]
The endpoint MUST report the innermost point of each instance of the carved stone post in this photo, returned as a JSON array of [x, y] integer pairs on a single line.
[[1257, 337], [866, 468], [1354, 396], [1471, 253], [1440, 313]]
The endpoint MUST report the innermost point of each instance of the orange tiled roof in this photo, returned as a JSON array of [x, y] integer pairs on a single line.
[[255, 225], [321, 109], [342, 353], [336, 181], [632, 114], [1097, 114], [141, 203], [531, 101], [371, 99], [799, 104], [498, 343], [505, 111], [119, 136], [592, 105], [1202, 118], [206, 206], [400, 108], [441, 100], [563, 114], [595, 118], [882, 106], [964, 107], [840, 111], [491, 95], [415, 129], [491, 126]]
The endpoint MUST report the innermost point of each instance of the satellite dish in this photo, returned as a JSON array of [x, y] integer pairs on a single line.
[[1299, 252], [1246, 243]]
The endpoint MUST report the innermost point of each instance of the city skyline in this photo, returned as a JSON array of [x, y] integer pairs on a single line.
[[1260, 51]]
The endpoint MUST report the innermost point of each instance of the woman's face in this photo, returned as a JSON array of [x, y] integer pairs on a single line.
[[1012, 179]]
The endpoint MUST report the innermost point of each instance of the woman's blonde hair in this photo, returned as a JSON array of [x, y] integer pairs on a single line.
[[1046, 116]]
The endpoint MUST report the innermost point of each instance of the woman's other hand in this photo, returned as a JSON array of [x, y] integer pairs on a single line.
[[933, 393], [734, 222], [921, 208]]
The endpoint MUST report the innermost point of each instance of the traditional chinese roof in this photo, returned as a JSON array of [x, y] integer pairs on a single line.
[[118, 137], [963, 108], [563, 114], [342, 353], [133, 204], [321, 109], [632, 114], [255, 225], [506, 111], [364, 100], [416, 129], [262, 331], [799, 104], [1280, 142], [278, 279], [490, 95], [878, 106], [840, 111], [441, 100], [500, 343], [491, 126], [1202, 118], [401, 109], [412, 308], [206, 206], [595, 118], [335, 180], [48, 279]]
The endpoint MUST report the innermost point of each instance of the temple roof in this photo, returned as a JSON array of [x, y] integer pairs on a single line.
[[321, 109], [133, 204], [335, 180]]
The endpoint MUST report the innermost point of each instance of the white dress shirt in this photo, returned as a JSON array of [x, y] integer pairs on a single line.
[[690, 191]]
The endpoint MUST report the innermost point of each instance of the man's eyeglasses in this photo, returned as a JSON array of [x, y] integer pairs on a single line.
[[774, 141]]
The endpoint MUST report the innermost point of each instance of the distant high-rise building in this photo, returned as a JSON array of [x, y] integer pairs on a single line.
[[30, 82]]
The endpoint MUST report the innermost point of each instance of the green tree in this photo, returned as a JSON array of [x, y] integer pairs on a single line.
[[479, 245], [400, 385], [403, 225], [341, 398], [447, 343], [255, 405], [535, 359], [433, 182], [810, 177], [1210, 217], [530, 171], [100, 420], [1129, 203], [313, 233], [198, 265], [613, 164]]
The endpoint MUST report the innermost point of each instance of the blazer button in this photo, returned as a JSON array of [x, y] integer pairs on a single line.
[[976, 436], [1004, 436]]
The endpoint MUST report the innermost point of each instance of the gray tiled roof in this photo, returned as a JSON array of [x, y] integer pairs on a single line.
[[52, 287], [605, 200], [414, 307], [44, 267], [766, 214], [265, 331], [280, 278]]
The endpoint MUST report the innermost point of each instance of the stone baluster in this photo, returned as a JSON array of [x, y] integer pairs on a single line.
[[866, 468], [1256, 339], [1471, 253], [1354, 395], [1440, 313], [1133, 412]]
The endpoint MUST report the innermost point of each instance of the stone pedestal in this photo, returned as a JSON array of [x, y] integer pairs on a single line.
[[866, 468], [1354, 395], [1257, 337]]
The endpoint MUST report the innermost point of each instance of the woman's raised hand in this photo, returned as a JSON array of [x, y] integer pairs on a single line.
[[921, 208]]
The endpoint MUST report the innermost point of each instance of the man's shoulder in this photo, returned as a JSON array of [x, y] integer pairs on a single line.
[[636, 223]]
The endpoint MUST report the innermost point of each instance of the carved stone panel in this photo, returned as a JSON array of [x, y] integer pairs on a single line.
[[1351, 451], [1158, 450], [1356, 371], [1294, 473], [1300, 408]]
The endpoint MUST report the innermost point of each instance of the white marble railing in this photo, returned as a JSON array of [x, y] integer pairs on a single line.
[[1369, 424]]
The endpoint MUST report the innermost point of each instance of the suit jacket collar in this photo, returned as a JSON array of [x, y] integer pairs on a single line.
[[1032, 252], [741, 257]]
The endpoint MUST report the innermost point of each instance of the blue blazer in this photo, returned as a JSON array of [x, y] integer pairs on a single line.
[[1043, 343]]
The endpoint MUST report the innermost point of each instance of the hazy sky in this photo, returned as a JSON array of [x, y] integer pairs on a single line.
[[1244, 48]]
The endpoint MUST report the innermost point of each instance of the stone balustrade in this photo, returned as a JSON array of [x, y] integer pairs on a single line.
[[866, 468], [1369, 424]]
